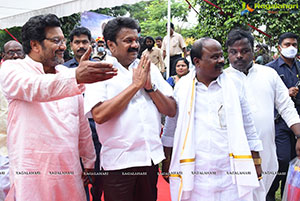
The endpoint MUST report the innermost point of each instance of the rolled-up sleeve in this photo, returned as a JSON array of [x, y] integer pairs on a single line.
[[169, 131], [284, 104]]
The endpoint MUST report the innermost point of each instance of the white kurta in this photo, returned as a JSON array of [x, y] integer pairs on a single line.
[[265, 90], [212, 140], [47, 132]]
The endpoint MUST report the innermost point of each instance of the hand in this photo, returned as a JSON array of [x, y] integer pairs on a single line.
[[165, 169], [298, 148], [140, 74], [93, 71], [293, 91], [258, 170], [88, 178], [148, 83]]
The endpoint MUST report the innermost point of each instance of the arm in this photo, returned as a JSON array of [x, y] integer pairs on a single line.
[[183, 46], [19, 83], [184, 52], [285, 107], [296, 129], [161, 62], [86, 146], [254, 142], [167, 140], [165, 105], [108, 109], [22, 80]]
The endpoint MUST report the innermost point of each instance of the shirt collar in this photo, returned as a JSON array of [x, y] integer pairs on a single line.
[[216, 81], [35, 64]]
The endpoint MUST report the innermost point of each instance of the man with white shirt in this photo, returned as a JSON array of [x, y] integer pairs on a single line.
[[215, 143], [265, 91], [127, 115]]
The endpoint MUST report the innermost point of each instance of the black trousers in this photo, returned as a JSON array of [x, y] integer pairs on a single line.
[[131, 184], [173, 65]]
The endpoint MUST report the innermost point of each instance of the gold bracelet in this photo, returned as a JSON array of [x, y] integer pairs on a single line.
[[259, 178], [257, 161]]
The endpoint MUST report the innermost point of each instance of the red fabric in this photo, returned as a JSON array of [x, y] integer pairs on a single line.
[[293, 193]]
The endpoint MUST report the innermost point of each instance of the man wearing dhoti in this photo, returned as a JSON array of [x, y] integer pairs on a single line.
[[215, 143]]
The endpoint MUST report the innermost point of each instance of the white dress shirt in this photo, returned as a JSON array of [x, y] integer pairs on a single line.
[[265, 91], [132, 138]]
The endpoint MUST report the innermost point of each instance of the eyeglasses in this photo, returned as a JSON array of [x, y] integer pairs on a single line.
[[57, 41], [13, 52]]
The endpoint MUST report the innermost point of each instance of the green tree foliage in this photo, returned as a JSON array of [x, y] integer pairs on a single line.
[[216, 23]]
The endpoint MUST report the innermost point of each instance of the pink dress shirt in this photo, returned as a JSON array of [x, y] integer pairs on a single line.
[[47, 132]]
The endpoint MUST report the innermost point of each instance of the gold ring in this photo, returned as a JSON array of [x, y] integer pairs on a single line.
[[259, 178]]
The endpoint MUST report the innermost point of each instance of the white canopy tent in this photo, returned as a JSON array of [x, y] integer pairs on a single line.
[[17, 12]]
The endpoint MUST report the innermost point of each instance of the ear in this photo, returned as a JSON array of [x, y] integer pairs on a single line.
[[196, 61], [111, 45], [35, 46], [279, 48]]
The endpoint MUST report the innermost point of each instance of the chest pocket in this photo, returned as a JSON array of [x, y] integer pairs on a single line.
[[222, 117]]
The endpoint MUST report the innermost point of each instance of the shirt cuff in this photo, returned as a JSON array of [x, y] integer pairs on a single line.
[[255, 145], [293, 121], [167, 141]]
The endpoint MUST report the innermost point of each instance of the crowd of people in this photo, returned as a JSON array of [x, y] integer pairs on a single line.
[[95, 119]]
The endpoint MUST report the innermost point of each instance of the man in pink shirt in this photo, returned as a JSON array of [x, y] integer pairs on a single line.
[[47, 132]]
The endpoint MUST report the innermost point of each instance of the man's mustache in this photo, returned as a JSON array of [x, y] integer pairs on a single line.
[[220, 65], [81, 49], [133, 49]]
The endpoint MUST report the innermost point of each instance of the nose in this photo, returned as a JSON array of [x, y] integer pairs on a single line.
[[135, 44], [221, 59], [63, 46], [239, 55]]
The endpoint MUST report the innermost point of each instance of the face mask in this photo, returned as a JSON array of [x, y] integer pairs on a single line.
[[289, 52], [101, 49]]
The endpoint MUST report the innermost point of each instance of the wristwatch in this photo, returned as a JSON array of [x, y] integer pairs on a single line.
[[153, 89]]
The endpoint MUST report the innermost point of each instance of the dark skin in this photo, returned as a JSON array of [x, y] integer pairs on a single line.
[[239, 55], [208, 68], [287, 42]]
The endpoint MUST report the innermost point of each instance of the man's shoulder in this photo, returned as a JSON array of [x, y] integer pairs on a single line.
[[273, 63], [72, 63]]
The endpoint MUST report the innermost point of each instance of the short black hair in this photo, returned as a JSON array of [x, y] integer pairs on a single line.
[[197, 47], [158, 38], [80, 31], [114, 26], [286, 35], [171, 25], [150, 38], [239, 34], [182, 59], [34, 29]]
